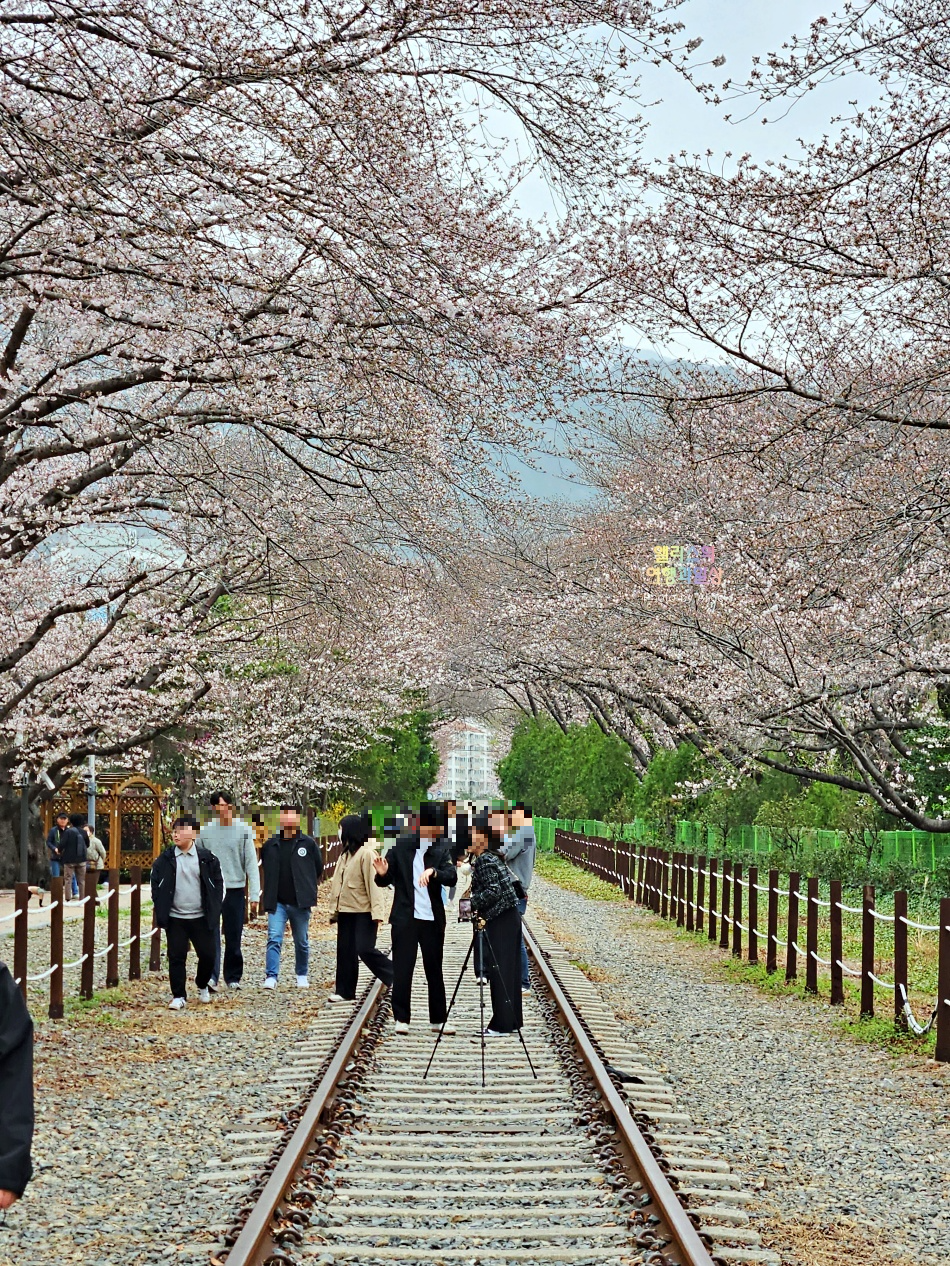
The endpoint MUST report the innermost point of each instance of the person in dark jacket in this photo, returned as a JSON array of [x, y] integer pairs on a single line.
[[53, 841], [292, 864], [187, 892], [72, 852], [495, 902], [417, 867], [16, 1091]]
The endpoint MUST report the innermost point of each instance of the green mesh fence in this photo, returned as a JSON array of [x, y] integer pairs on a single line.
[[921, 850]]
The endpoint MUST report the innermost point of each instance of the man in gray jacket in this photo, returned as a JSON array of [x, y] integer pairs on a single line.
[[519, 852], [231, 839]]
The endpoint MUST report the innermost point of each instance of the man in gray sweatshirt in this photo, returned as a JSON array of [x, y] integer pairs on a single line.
[[519, 852], [231, 839]]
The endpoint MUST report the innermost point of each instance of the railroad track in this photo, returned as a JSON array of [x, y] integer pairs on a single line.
[[375, 1165]]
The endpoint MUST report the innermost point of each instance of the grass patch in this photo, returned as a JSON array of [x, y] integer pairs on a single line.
[[878, 1031], [597, 974], [570, 877]]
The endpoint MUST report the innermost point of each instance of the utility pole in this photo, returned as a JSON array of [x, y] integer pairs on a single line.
[[91, 793], [25, 827]]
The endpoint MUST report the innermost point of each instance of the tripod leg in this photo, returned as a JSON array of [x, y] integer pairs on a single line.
[[501, 980], [448, 1012]]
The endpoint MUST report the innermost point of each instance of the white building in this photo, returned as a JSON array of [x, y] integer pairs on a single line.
[[468, 755]]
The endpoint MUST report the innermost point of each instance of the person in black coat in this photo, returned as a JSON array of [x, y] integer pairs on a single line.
[[187, 892], [292, 864], [16, 1091], [416, 868], [495, 903]]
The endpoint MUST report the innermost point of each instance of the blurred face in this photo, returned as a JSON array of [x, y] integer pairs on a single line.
[[62, 821], [517, 819], [289, 820], [184, 836], [223, 811], [430, 832], [479, 843], [499, 822]]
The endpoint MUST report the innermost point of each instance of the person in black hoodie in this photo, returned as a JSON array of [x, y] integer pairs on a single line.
[[187, 892], [16, 1091], [72, 852], [416, 868], [292, 864]]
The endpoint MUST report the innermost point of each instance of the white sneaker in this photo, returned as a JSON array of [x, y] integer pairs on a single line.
[[270, 982], [488, 1034], [437, 1028], [525, 990], [204, 995], [177, 1004], [303, 982], [401, 1026], [481, 980], [234, 984], [338, 997]]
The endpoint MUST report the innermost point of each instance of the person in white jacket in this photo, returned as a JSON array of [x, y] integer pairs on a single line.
[[231, 839]]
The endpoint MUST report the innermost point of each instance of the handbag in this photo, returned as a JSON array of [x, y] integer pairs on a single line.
[[519, 889]]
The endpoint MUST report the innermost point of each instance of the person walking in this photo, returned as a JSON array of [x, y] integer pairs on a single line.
[[292, 864], [54, 842], [358, 907], [495, 903], [95, 854], [73, 851], [519, 853], [187, 891], [416, 868], [232, 841], [16, 1091]]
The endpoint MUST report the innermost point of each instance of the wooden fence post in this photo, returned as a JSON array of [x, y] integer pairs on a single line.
[[664, 883], [674, 883], [155, 947], [725, 903], [942, 1052], [690, 859], [700, 892], [837, 946], [641, 866], [135, 924], [791, 953], [21, 932], [811, 936], [112, 957], [712, 898], [56, 895], [867, 951], [88, 936], [771, 945], [737, 911], [900, 958], [753, 914]]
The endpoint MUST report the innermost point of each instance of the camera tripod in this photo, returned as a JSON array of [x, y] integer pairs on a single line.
[[479, 939]]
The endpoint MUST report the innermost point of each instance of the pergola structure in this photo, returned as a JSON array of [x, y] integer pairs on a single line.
[[128, 815]]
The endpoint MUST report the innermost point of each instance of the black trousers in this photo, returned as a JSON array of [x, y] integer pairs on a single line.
[[501, 948], [355, 940], [232, 924], [179, 934], [408, 939]]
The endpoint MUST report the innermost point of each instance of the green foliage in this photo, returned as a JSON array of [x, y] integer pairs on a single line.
[[572, 878], [401, 765]]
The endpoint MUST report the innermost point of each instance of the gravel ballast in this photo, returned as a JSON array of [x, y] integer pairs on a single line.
[[846, 1145]]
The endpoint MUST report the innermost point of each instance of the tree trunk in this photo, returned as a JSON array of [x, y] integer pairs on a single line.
[[10, 839]]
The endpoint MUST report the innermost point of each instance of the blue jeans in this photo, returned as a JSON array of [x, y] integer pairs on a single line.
[[525, 975], [299, 926], [55, 868]]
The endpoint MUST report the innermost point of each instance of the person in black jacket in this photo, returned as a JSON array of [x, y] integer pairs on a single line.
[[495, 902], [187, 892], [53, 841], [72, 852], [417, 867], [292, 864], [16, 1091]]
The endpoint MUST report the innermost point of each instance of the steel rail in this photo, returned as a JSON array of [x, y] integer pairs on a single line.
[[691, 1247], [254, 1241]]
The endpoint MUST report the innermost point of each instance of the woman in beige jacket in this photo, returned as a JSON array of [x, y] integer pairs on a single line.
[[358, 906]]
